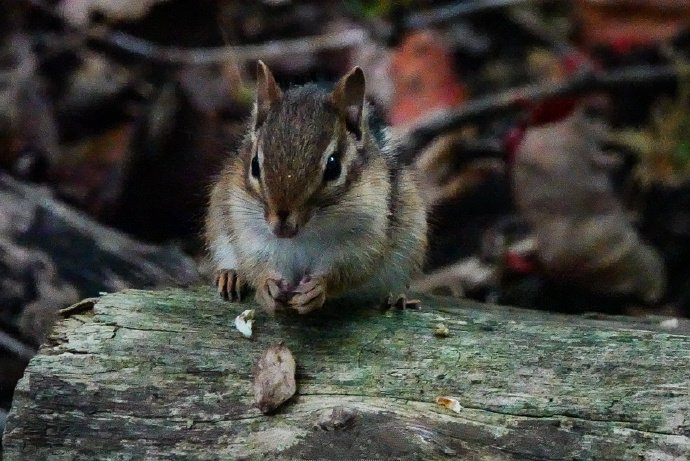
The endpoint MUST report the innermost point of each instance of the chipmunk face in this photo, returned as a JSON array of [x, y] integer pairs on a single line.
[[306, 149]]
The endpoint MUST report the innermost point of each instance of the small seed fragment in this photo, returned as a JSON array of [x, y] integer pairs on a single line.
[[244, 323], [441, 330], [450, 403]]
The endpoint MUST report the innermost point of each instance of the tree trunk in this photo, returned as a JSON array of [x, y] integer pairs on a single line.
[[165, 375]]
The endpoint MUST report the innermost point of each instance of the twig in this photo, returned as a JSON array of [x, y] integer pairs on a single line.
[[532, 24], [200, 56], [426, 129], [266, 51], [85, 305], [16, 347], [448, 13]]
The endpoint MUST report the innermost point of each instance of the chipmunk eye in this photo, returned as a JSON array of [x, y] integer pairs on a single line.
[[256, 171], [332, 169]]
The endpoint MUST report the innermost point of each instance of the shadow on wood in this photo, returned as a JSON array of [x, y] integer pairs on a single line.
[[165, 375]]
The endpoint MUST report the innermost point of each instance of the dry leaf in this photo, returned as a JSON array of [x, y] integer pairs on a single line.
[[79, 12], [424, 79], [625, 24], [466, 274], [582, 231], [274, 382]]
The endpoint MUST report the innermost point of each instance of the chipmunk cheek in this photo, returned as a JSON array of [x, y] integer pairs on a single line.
[[303, 217]]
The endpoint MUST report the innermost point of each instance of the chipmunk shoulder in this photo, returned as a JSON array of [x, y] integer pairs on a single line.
[[312, 208]]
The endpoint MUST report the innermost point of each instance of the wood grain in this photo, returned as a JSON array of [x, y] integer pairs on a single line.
[[164, 375]]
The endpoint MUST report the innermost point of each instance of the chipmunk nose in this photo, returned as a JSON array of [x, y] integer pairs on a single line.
[[283, 224]]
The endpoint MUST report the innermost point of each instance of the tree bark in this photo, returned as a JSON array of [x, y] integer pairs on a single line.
[[165, 375]]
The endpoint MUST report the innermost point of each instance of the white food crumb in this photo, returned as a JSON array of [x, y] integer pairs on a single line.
[[244, 322], [450, 403]]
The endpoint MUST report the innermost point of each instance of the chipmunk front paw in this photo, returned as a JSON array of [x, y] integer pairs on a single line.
[[273, 293], [229, 285], [309, 295]]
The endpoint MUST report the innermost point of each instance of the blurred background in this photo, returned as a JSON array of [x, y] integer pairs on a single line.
[[552, 139]]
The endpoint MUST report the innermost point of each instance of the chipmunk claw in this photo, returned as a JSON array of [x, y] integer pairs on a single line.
[[229, 285], [309, 295], [402, 302]]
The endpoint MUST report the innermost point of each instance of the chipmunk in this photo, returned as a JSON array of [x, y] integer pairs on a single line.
[[312, 208]]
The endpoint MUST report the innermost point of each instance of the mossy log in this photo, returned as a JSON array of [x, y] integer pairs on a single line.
[[165, 375]]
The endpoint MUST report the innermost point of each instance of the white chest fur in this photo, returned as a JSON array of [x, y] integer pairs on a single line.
[[326, 242]]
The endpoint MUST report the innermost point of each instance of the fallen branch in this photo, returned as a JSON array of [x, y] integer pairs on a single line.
[[448, 13], [16, 347], [426, 129], [199, 56], [150, 375], [203, 56]]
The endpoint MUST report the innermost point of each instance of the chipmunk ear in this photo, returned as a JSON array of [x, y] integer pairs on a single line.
[[348, 98], [268, 93]]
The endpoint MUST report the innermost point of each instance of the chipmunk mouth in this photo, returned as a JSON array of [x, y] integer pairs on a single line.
[[284, 230]]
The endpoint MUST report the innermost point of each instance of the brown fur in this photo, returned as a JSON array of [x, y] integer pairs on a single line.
[[367, 225]]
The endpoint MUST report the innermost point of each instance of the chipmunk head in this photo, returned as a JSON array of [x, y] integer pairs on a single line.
[[307, 147]]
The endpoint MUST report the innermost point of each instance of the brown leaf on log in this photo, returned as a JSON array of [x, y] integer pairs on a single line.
[[274, 382]]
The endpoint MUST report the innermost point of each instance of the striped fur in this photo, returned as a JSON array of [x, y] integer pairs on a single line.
[[363, 233]]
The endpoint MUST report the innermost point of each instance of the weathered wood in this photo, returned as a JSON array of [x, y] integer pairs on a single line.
[[164, 375], [52, 255]]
